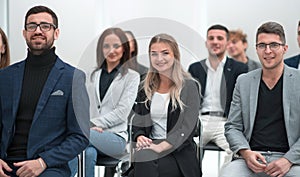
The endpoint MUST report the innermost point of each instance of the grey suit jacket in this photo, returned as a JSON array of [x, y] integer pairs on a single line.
[[111, 113], [239, 126]]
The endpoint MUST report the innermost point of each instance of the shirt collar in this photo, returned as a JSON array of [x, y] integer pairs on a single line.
[[222, 63], [118, 68]]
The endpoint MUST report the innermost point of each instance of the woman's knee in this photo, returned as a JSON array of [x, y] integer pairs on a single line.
[[59, 172]]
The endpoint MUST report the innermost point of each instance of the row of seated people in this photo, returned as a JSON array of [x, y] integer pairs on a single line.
[[167, 102], [166, 110], [153, 131]]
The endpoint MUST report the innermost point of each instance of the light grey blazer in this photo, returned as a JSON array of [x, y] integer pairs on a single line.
[[111, 114], [239, 126]]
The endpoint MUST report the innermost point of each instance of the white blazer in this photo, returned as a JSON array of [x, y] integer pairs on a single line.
[[111, 114]]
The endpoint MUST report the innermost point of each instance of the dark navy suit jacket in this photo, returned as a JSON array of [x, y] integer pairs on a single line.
[[58, 131], [232, 69], [293, 61]]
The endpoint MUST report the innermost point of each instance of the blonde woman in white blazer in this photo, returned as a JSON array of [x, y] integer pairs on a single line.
[[112, 89]]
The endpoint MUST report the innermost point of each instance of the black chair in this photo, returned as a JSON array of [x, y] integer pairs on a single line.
[[116, 162], [81, 172], [122, 160]]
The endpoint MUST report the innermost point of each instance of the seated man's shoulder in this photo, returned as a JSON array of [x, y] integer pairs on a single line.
[[237, 63], [245, 77], [292, 57], [197, 64]]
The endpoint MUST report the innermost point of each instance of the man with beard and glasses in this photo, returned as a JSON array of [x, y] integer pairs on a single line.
[[43, 105]]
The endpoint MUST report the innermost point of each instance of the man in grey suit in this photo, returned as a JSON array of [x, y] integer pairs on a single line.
[[263, 124]]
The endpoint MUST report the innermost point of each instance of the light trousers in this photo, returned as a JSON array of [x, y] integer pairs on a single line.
[[239, 168], [213, 130]]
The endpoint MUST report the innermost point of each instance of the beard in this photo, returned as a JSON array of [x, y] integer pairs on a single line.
[[38, 47]]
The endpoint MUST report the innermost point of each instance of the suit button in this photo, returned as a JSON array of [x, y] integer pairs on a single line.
[[98, 107], [182, 134]]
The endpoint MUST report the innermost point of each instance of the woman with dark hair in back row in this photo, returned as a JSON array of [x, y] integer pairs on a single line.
[[112, 89]]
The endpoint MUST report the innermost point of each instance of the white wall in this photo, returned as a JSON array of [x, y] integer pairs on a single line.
[[249, 15], [78, 22], [3, 15], [81, 22]]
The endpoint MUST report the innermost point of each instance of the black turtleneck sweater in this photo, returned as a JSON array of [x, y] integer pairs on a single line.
[[37, 69]]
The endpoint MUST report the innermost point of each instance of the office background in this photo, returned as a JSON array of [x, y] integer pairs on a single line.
[[81, 23]]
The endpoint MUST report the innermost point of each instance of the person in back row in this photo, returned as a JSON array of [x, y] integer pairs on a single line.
[[133, 63], [237, 46], [217, 75], [294, 61]]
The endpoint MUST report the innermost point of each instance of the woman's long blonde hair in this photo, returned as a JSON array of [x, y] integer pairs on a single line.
[[178, 75]]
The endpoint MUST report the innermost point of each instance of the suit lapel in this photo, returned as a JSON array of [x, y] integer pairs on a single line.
[[111, 91], [97, 86], [115, 90], [254, 89], [52, 79], [203, 76], [297, 61], [17, 86], [287, 94], [226, 79]]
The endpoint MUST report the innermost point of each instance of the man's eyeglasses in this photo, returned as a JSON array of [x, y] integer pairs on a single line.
[[273, 46], [31, 27]]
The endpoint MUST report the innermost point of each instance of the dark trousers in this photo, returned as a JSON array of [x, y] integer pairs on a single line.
[[48, 172], [109, 171], [158, 167]]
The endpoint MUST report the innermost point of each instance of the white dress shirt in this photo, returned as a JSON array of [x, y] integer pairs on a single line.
[[212, 97]]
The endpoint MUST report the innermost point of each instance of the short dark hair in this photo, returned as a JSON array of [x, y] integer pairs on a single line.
[[219, 27], [299, 23], [40, 9], [272, 28]]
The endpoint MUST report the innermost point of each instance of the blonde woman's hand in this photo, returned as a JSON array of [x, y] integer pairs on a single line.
[[143, 142], [161, 147]]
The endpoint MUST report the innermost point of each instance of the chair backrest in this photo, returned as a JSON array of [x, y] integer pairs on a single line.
[[211, 146]]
